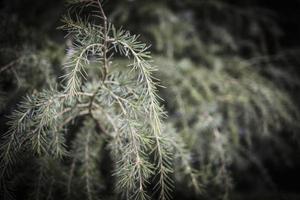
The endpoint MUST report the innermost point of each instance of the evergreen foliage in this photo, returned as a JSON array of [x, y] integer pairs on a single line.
[[121, 104], [223, 104], [118, 127]]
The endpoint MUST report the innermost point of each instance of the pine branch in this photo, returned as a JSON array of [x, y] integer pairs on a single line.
[[122, 105], [129, 45], [78, 61], [185, 159], [132, 161]]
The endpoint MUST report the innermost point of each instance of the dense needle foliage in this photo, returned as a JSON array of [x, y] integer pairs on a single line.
[[118, 123], [120, 103]]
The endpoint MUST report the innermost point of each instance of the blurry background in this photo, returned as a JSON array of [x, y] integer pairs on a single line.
[[231, 71]]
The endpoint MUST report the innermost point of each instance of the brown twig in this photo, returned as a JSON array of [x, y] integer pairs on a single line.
[[105, 61]]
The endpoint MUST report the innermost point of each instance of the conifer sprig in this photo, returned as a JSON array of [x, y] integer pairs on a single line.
[[128, 45], [122, 104]]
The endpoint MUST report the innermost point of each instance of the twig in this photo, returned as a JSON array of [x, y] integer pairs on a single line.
[[9, 65], [105, 40]]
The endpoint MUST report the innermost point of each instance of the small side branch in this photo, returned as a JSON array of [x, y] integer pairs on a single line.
[[105, 48]]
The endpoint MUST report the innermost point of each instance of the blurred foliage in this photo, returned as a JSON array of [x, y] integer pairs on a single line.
[[228, 81]]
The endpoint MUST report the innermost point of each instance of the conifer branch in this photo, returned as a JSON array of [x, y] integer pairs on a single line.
[[124, 107], [105, 33], [127, 45]]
